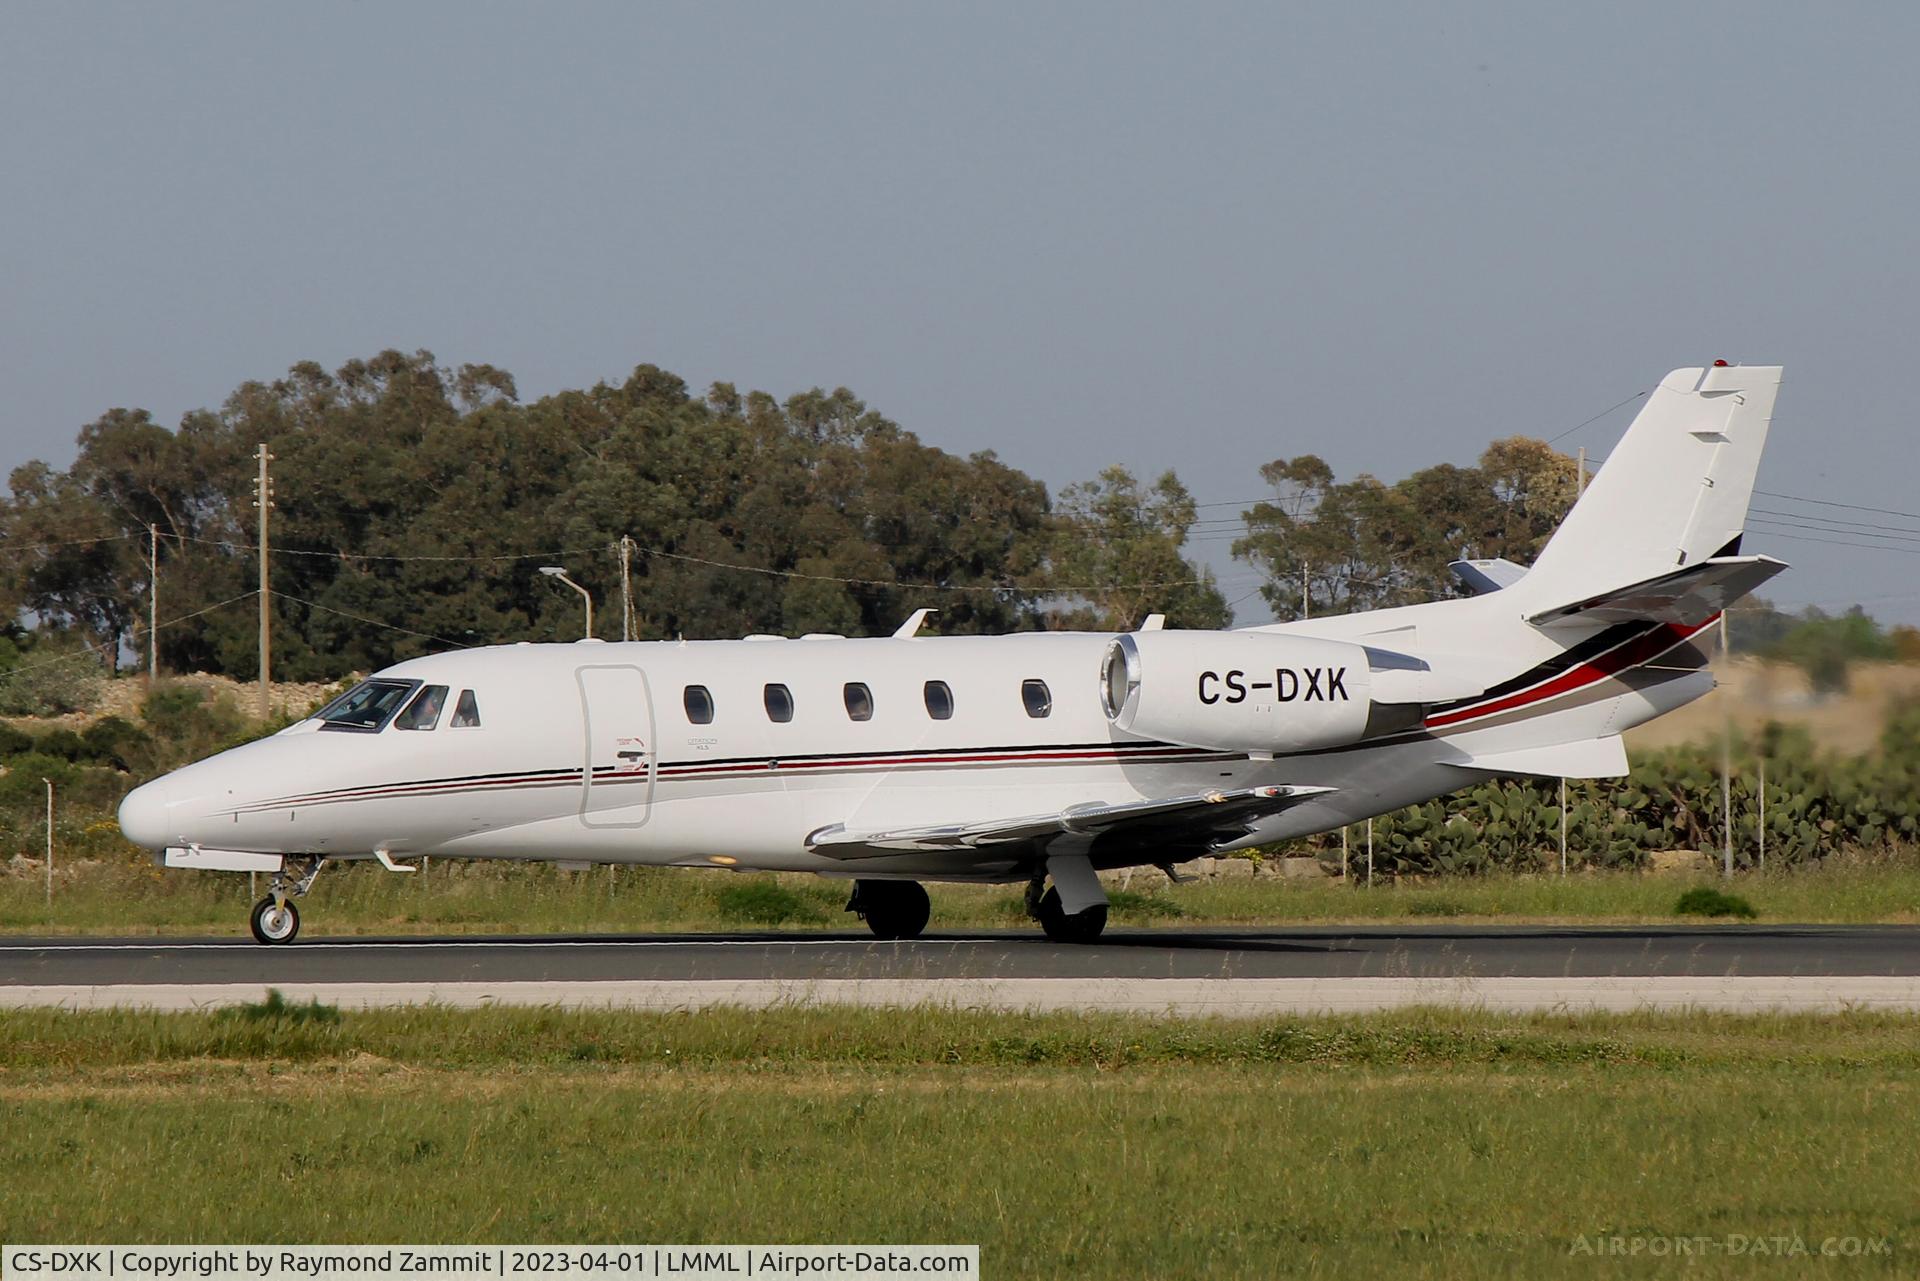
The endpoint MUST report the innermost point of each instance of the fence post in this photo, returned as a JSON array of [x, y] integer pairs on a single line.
[[49, 783], [1726, 760], [1563, 827]]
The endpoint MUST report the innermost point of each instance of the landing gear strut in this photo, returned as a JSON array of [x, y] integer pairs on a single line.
[[891, 909], [275, 919]]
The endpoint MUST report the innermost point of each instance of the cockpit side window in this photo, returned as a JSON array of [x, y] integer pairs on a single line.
[[368, 706], [424, 711], [466, 712]]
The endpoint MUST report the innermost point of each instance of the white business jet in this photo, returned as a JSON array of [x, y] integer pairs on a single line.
[[1032, 758]]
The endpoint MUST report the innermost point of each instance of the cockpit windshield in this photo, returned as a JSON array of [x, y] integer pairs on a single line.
[[368, 706]]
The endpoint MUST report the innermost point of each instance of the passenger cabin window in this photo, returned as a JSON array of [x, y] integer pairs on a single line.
[[779, 700], [424, 711], [1037, 697], [859, 701], [367, 707], [466, 712], [699, 705], [939, 700]]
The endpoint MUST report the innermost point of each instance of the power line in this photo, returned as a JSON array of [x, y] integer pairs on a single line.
[[1243, 503], [1596, 418], [355, 556], [362, 618], [71, 542], [90, 648], [1829, 520], [1835, 542], [1049, 590], [661, 553], [1822, 529], [1826, 502]]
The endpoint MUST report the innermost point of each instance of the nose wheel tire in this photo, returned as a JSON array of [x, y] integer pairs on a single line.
[[892, 909], [1080, 927], [275, 922]]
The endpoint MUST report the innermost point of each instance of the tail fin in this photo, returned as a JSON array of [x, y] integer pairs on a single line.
[[1675, 490]]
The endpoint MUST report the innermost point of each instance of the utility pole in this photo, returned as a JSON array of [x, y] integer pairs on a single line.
[[153, 604], [1369, 853], [263, 499], [1306, 596], [1580, 486], [626, 598]]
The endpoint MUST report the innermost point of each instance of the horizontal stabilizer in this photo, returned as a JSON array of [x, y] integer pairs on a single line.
[[1583, 758], [1202, 817], [1687, 596], [1483, 576]]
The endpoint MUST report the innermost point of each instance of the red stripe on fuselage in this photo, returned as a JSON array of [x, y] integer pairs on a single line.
[[1629, 654]]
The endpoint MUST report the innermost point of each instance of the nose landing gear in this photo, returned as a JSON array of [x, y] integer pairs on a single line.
[[275, 922], [275, 919]]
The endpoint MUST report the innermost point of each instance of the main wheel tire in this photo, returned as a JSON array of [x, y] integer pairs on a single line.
[[892, 909], [275, 923], [1080, 927]]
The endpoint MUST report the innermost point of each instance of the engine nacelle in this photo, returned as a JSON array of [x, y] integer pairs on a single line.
[[1240, 691]]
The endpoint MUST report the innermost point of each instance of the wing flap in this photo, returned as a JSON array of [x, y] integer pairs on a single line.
[[1201, 815], [1686, 596]]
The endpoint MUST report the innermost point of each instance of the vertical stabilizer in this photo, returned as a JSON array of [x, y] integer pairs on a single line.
[[1674, 491]]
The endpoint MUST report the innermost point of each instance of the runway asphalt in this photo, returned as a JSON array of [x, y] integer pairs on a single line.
[[1240, 973], [1320, 952]]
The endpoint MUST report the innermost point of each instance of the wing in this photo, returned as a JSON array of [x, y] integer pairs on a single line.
[[1202, 819]]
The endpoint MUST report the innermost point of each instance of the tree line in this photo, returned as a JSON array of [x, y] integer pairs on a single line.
[[413, 503]]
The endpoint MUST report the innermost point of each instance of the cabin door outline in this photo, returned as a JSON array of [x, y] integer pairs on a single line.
[[622, 755]]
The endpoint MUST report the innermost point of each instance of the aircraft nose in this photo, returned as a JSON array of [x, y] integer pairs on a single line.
[[145, 813]]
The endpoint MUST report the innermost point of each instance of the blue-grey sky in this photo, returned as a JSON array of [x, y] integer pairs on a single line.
[[1191, 236]]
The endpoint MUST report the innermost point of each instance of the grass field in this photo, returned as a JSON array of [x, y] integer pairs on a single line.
[[1437, 1144], [131, 897]]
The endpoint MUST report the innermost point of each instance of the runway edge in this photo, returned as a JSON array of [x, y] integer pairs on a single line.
[[1226, 998]]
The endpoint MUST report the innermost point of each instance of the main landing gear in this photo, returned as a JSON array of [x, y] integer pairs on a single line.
[[891, 909], [1074, 908], [1061, 925], [275, 919]]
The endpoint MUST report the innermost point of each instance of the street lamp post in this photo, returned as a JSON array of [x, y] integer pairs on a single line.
[[559, 572]]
